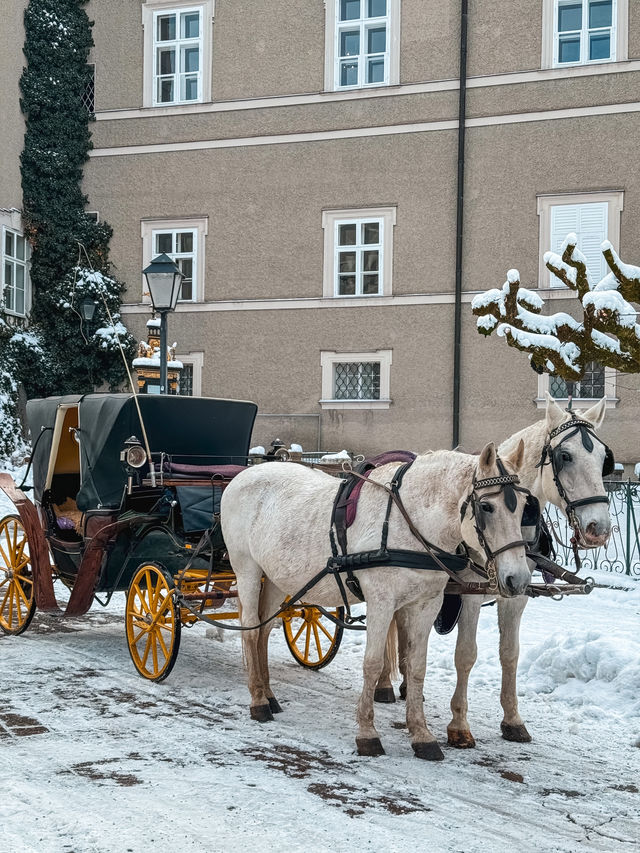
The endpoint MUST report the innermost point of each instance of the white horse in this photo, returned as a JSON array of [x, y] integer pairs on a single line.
[[581, 478], [275, 522]]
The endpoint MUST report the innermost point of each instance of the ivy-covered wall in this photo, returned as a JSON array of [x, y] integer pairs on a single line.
[[69, 250]]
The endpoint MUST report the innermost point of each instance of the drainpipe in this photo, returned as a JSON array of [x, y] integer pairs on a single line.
[[457, 334]]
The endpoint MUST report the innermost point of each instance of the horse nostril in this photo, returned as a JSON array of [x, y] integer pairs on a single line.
[[596, 529], [511, 586]]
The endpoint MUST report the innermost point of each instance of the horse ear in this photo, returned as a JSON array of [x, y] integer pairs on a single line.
[[516, 457], [595, 415], [487, 458], [555, 415]]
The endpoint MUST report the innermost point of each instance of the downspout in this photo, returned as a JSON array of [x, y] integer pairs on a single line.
[[457, 334]]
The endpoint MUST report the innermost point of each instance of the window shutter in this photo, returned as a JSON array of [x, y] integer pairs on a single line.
[[564, 220], [592, 231], [589, 222]]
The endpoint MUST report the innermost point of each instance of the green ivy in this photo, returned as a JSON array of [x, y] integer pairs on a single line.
[[57, 141]]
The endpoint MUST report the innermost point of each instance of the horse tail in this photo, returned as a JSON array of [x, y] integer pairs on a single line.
[[391, 650]]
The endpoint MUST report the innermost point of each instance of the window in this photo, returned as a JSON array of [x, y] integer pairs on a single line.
[[590, 387], [182, 247], [593, 217], [582, 32], [186, 381], [177, 50], [177, 43], [191, 374], [362, 43], [88, 96], [598, 382], [14, 272], [184, 241], [355, 380], [358, 252]]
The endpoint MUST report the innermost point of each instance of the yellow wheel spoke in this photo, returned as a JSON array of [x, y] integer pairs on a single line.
[[5, 581], [325, 632], [154, 646], [300, 630], [10, 612], [16, 599], [22, 594], [6, 596], [147, 650], [162, 645], [136, 640], [307, 640], [317, 638], [7, 561]]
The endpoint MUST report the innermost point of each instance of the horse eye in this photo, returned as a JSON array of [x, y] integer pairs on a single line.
[[486, 507], [566, 456]]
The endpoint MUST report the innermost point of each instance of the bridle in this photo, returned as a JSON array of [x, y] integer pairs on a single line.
[[552, 456], [507, 485]]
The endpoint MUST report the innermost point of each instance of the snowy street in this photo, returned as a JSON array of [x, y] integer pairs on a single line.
[[97, 760]]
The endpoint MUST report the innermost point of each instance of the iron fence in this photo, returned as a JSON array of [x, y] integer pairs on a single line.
[[621, 555]]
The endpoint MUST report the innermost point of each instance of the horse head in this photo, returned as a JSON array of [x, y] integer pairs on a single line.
[[491, 516], [574, 463]]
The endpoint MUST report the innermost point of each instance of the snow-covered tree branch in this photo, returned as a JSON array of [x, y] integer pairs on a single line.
[[558, 343]]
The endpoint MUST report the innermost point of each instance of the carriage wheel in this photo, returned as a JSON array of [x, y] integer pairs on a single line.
[[153, 622], [17, 601], [312, 639]]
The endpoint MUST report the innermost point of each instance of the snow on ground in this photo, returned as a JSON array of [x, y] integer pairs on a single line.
[[97, 760]]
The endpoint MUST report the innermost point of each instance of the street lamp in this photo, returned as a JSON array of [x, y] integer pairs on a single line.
[[88, 308], [163, 280]]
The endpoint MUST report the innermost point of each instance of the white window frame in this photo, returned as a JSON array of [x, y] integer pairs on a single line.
[[196, 360], [332, 52], [329, 358], [615, 204], [199, 226], [15, 262], [619, 38], [331, 220], [150, 12], [580, 403]]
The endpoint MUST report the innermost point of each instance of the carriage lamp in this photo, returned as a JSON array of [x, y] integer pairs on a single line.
[[133, 455], [88, 308], [164, 279]]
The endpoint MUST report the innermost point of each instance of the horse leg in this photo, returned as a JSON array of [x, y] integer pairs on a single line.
[[402, 658], [384, 687], [270, 601], [458, 731], [509, 615], [416, 620], [379, 617], [249, 588]]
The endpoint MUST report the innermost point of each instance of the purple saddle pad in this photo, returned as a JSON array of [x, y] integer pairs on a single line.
[[369, 465]]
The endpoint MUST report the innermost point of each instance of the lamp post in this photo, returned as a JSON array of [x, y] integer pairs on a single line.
[[163, 280]]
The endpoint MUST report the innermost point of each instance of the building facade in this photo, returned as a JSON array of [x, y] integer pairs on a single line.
[[299, 161]]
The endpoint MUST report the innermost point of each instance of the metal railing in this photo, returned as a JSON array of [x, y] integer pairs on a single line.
[[621, 555]]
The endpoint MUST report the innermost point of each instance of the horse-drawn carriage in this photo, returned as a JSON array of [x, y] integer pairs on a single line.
[[108, 518]]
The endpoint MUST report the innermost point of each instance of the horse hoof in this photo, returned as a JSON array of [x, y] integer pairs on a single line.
[[429, 751], [261, 713], [384, 694], [518, 734], [369, 746], [460, 739], [274, 705], [403, 690]]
